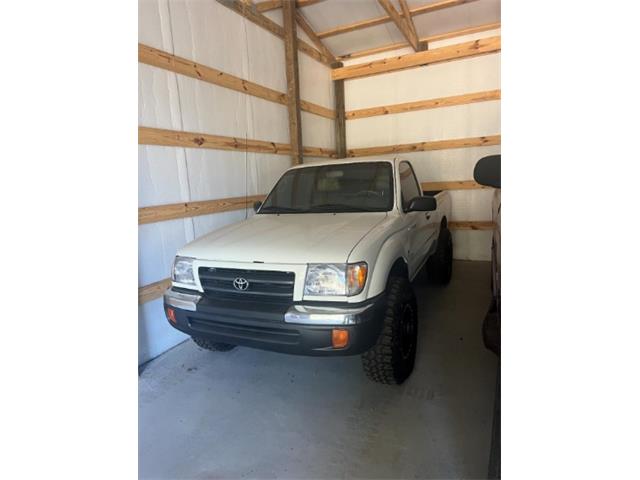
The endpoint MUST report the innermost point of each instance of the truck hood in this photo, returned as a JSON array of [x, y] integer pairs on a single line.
[[286, 238]]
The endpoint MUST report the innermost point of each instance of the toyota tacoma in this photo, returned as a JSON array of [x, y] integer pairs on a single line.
[[324, 267]]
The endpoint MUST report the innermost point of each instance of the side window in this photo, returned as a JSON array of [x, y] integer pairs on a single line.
[[408, 185]]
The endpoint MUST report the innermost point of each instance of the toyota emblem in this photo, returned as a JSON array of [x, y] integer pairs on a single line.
[[240, 284]]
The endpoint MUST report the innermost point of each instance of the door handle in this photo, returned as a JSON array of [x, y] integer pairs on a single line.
[[427, 216], [411, 227]]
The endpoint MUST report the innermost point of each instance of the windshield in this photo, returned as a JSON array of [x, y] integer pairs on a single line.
[[347, 187]]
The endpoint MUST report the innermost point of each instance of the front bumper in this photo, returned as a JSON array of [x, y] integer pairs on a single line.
[[302, 328]]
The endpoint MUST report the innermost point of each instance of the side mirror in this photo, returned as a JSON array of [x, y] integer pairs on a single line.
[[257, 205], [423, 204], [487, 171]]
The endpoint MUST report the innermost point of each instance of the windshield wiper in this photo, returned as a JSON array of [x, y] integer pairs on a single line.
[[329, 207], [279, 209]]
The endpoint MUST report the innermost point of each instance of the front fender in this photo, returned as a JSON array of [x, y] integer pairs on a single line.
[[391, 250]]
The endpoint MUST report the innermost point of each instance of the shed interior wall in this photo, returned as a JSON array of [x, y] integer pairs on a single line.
[[471, 120], [212, 35]]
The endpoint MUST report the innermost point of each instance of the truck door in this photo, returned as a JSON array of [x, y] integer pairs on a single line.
[[417, 222]]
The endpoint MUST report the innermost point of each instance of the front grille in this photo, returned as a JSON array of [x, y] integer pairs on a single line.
[[252, 332], [262, 286]]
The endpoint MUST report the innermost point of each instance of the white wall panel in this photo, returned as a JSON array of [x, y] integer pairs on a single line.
[[158, 168], [472, 120], [267, 121], [158, 102], [154, 28], [215, 173], [315, 81], [433, 81], [157, 246], [317, 131], [209, 33], [155, 335]]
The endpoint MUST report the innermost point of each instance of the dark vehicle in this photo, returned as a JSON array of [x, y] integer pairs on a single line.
[[487, 172]]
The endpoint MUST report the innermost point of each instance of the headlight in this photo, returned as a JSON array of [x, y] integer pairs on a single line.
[[335, 279], [183, 271]]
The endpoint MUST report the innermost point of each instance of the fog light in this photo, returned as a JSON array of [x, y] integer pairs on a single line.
[[339, 338], [171, 315]]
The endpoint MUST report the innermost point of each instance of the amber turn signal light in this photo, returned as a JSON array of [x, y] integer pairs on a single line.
[[339, 338], [171, 315]]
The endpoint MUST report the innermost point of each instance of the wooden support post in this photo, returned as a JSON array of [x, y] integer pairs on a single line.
[[293, 81], [340, 130]]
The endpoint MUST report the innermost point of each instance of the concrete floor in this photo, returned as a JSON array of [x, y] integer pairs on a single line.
[[254, 414]]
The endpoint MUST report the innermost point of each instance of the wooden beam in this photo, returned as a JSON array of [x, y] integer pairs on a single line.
[[275, 4], [161, 59], [175, 138], [372, 22], [418, 59], [340, 125], [451, 185], [471, 225], [409, 21], [317, 109], [302, 21], [425, 146], [425, 40], [153, 291], [249, 11], [425, 104], [293, 80], [173, 211], [400, 22]]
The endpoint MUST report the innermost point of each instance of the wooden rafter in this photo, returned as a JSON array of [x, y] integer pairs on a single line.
[[275, 4], [426, 40], [251, 13], [372, 22], [401, 22], [308, 29], [418, 59]]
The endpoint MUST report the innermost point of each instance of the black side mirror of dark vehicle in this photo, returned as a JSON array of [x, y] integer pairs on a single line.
[[257, 205], [423, 204], [487, 171]]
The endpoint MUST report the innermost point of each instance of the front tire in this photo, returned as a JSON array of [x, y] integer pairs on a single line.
[[392, 358], [213, 346]]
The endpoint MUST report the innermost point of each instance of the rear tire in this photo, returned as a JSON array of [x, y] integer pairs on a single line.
[[392, 358], [213, 346], [439, 265]]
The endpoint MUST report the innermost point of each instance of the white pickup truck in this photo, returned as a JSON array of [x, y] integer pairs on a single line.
[[324, 267]]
